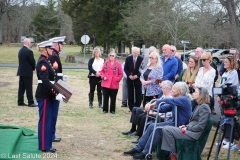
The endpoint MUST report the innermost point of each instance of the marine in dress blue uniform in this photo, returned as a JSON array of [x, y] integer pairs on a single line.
[[45, 95], [58, 43]]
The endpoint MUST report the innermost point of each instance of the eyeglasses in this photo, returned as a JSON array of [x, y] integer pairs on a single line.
[[151, 58], [204, 60], [111, 55]]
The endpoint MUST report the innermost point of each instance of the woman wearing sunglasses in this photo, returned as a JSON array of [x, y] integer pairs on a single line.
[[193, 130], [111, 75], [206, 75], [151, 73]]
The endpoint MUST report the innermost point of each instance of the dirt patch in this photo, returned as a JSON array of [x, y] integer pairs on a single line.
[[4, 84]]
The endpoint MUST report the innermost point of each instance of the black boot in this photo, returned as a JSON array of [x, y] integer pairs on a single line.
[[90, 95], [100, 100]]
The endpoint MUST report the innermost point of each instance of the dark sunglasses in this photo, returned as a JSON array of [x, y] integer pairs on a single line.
[[204, 60], [111, 56]]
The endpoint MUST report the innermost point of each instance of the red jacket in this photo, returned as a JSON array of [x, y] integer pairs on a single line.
[[113, 73]]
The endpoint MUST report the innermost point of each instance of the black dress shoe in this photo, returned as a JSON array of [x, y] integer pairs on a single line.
[[105, 112], [135, 141], [112, 112], [52, 150], [22, 104], [131, 152], [32, 105], [139, 156], [127, 132], [123, 105], [56, 140]]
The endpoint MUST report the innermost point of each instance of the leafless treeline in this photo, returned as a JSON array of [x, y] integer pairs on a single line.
[[206, 23]]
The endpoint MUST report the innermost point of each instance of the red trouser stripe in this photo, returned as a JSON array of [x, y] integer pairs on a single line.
[[43, 122]]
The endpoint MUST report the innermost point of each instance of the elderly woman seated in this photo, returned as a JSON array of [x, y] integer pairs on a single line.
[[193, 130], [183, 103]]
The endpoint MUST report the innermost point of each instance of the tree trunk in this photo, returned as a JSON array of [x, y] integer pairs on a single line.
[[1, 30], [233, 19]]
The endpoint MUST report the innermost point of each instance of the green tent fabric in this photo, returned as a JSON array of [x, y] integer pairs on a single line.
[[17, 142], [188, 150]]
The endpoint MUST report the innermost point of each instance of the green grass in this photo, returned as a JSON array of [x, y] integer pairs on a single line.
[[9, 55]]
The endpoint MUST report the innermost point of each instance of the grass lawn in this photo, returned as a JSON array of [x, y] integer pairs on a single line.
[[86, 133]]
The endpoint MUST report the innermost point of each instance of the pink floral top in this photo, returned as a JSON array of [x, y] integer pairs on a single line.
[[205, 80]]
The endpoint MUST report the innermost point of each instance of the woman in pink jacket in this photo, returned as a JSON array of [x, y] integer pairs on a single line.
[[111, 75]]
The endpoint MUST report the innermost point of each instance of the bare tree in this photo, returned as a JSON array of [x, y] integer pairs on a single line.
[[230, 6]]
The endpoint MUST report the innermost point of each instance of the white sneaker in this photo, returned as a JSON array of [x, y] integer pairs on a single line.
[[235, 148], [226, 146], [223, 143]]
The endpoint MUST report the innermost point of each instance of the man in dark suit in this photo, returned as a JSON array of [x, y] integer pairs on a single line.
[[132, 70], [25, 72]]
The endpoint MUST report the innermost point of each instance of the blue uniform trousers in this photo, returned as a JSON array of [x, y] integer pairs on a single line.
[[45, 107], [55, 115]]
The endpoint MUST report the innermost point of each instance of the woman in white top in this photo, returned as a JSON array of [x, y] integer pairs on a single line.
[[94, 66], [206, 75], [229, 76]]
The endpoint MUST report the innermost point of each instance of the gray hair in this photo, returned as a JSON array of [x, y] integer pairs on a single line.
[[237, 51], [200, 49], [96, 49], [182, 87], [167, 84], [152, 49], [136, 48], [203, 96], [112, 52]]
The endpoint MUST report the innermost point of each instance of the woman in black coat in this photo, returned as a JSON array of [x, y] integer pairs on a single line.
[[94, 66]]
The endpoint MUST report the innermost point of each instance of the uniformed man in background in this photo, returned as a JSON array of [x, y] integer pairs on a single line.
[[58, 44]]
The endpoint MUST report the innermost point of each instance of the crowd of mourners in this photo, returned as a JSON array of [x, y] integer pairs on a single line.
[[154, 79]]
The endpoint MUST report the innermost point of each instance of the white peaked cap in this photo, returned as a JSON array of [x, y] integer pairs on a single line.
[[45, 44], [58, 39]]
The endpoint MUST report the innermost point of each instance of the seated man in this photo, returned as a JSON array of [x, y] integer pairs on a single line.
[[183, 103], [138, 113]]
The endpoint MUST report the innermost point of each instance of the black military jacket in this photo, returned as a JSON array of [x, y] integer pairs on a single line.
[[55, 59], [45, 75]]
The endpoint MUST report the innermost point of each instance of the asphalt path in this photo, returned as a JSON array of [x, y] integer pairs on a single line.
[[81, 59]]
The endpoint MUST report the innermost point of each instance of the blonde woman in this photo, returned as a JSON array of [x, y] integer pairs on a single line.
[[94, 66], [151, 73], [189, 74], [206, 75]]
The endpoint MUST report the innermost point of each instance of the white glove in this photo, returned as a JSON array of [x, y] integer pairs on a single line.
[[60, 97], [65, 78]]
